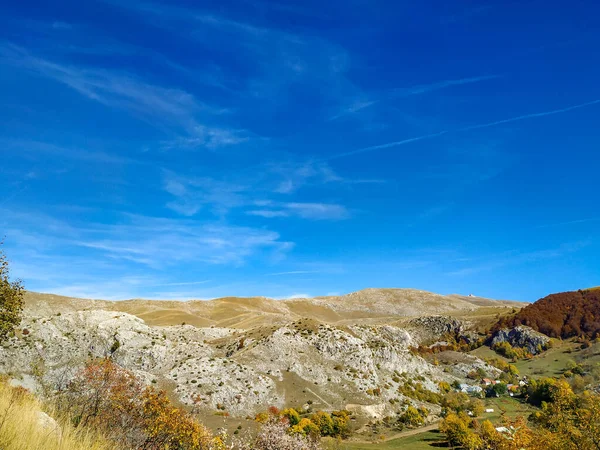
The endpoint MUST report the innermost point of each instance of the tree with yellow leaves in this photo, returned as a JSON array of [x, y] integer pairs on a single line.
[[306, 428], [458, 431]]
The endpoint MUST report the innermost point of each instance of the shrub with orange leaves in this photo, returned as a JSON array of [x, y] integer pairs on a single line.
[[169, 427], [110, 399]]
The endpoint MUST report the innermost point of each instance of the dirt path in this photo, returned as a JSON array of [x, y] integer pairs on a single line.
[[320, 398]]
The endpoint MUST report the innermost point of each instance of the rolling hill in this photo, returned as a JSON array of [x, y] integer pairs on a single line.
[[561, 315], [374, 306]]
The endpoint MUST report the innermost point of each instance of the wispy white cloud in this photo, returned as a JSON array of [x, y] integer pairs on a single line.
[[148, 241], [109, 87], [316, 211], [293, 175], [193, 193], [33, 147], [271, 182], [354, 107], [208, 137], [164, 107], [280, 60], [157, 242], [360, 104], [294, 272]]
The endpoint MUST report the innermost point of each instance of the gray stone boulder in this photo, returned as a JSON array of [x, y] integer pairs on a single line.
[[523, 337]]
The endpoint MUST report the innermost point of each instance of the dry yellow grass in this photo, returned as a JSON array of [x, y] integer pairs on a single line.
[[22, 426], [369, 306]]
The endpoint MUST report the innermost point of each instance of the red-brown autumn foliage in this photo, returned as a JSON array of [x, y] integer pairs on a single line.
[[111, 400], [562, 315]]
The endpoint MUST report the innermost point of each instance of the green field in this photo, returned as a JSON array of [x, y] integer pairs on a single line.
[[551, 363], [503, 407], [421, 441]]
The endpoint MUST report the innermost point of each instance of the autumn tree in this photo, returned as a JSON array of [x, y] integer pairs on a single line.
[[564, 315], [323, 420], [110, 399], [11, 299], [291, 415], [573, 421], [168, 427], [305, 428], [458, 431], [412, 417], [341, 423]]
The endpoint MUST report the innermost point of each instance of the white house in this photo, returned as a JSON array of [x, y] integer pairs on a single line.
[[470, 389]]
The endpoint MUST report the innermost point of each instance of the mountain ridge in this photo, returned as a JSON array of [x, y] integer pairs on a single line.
[[371, 305]]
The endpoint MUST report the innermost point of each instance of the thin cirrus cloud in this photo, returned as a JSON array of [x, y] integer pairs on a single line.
[[151, 242], [156, 242], [361, 104], [294, 272], [295, 175], [33, 147], [192, 195], [158, 105], [278, 58], [316, 211]]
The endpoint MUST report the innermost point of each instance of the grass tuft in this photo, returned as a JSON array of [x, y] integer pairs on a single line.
[[23, 426]]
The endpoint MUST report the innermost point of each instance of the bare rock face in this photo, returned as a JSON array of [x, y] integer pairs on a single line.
[[349, 352], [220, 369], [523, 337], [430, 329]]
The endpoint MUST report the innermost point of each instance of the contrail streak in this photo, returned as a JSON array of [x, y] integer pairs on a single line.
[[414, 90], [530, 116], [388, 145], [458, 130]]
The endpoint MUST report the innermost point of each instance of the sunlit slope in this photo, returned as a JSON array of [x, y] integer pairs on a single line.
[[369, 306]]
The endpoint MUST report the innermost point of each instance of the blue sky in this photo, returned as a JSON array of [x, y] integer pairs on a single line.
[[203, 149]]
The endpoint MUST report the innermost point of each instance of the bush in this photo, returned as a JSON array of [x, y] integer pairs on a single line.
[[291, 415], [306, 428], [412, 417], [418, 392], [510, 352], [11, 299], [111, 400]]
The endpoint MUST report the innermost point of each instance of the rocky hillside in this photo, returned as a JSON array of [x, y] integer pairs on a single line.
[[563, 315], [522, 337], [238, 356]]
